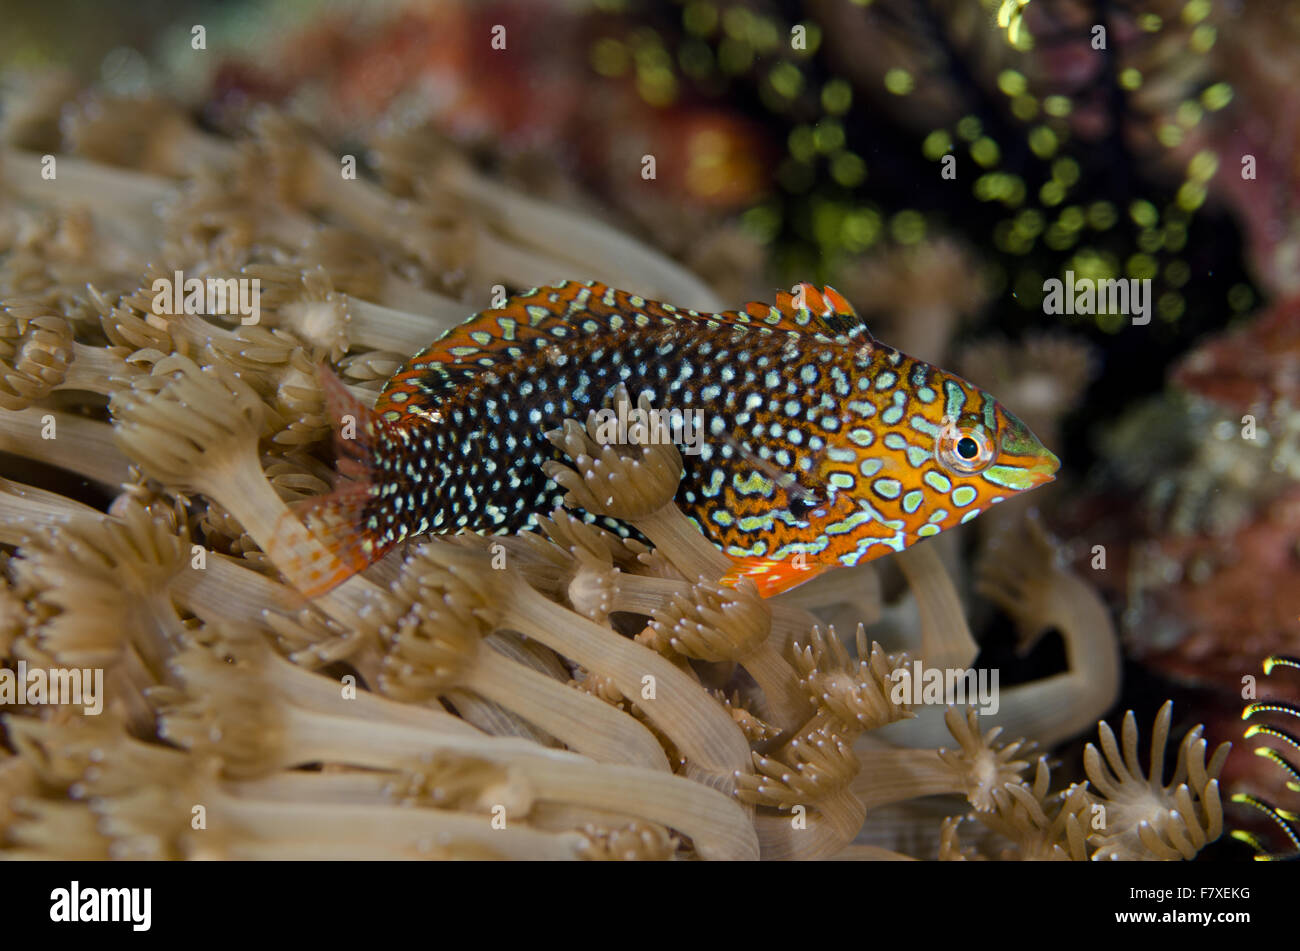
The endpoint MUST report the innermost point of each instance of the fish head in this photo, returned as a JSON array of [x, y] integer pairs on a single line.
[[932, 451]]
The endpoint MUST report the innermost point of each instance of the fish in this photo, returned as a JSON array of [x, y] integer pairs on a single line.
[[821, 447]]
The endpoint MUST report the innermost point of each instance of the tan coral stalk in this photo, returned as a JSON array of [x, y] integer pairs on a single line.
[[24, 508], [387, 328], [895, 775], [151, 135], [436, 642], [946, 639], [591, 248], [1020, 571], [680, 708], [123, 202], [77, 444], [256, 730]]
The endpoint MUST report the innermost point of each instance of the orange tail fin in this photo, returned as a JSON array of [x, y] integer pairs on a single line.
[[337, 520]]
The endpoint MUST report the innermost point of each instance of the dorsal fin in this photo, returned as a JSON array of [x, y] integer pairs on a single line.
[[809, 310], [496, 338], [493, 339]]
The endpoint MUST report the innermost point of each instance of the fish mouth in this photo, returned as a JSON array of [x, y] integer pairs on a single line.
[[1044, 470]]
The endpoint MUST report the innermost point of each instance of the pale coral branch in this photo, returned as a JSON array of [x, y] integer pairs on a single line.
[[80, 445], [946, 639], [591, 247]]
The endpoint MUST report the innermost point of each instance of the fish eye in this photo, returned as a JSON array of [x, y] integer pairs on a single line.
[[964, 449]]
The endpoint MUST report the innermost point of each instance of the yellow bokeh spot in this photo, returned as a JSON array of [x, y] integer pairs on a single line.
[[1029, 222], [1042, 141], [1102, 215], [1130, 78], [861, 229], [1065, 171], [907, 227], [1058, 106], [899, 81], [1217, 96], [1195, 11], [1024, 107], [837, 96], [735, 21], [609, 57], [1150, 240], [1141, 266], [802, 144], [658, 86], [786, 79], [734, 56], [848, 169], [1202, 166], [1241, 298], [1072, 218], [1059, 239], [1191, 195], [1189, 113], [985, 152], [1144, 213], [1012, 82], [1203, 38], [700, 19], [936, 144], [762, 223], [1052, 193], [828, 135]]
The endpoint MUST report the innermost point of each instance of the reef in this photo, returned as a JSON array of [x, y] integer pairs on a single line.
[[563, 694]]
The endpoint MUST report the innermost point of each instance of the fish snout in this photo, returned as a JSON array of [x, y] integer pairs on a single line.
[[1044, 471]]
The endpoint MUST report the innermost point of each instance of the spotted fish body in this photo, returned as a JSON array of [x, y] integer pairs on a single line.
[[821, 447]]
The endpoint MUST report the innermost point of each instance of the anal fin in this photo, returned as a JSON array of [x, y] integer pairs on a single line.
[[772, 577]]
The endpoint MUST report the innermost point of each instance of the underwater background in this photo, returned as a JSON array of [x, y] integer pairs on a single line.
[[954, 168]]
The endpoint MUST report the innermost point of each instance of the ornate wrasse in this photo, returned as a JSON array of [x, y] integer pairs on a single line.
[[822, 447]]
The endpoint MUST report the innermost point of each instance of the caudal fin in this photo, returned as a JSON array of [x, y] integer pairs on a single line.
[[337, 520]]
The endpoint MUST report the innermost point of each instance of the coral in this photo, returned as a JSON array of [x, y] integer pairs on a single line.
[[564, 694], [1133, 814], [1144, 816]]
